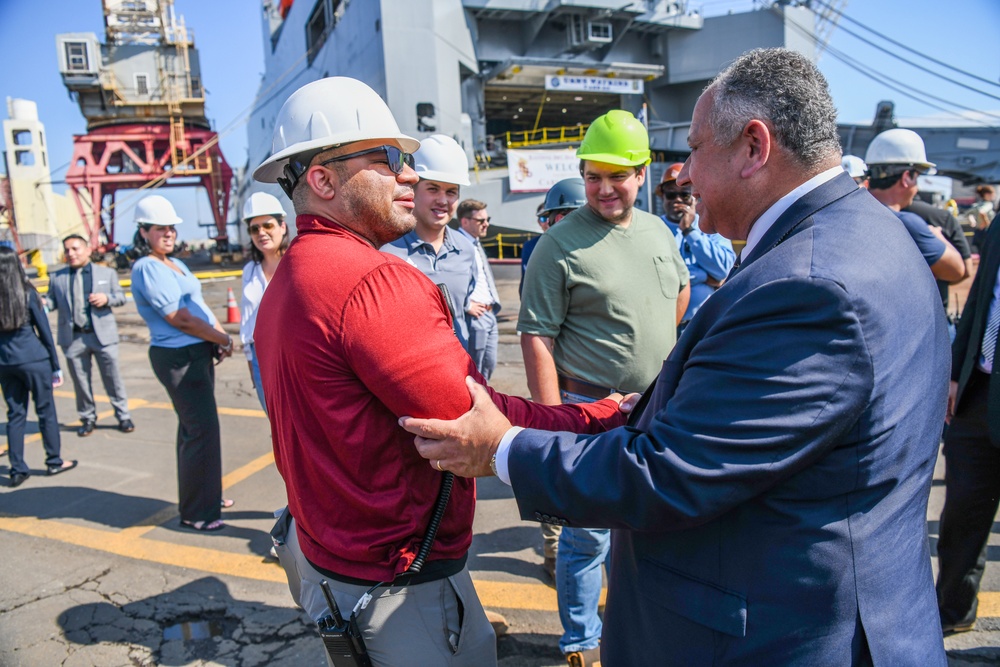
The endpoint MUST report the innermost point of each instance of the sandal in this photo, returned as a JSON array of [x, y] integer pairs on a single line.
[[203, 526], [227, 503]]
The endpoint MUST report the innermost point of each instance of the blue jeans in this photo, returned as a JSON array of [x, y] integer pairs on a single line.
[[581, 553], [255, 373]]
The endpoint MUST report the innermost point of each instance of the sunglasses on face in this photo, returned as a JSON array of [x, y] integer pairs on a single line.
[[266, 226], [486, 219], [683, 196], [397, 159]]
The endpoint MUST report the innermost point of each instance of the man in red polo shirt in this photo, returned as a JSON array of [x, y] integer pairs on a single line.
[[349, 340]]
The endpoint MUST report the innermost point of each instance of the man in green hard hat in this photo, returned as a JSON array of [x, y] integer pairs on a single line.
[[603, 294]]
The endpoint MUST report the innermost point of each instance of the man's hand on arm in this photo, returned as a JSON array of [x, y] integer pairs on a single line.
[[97, 299], [466, 445]]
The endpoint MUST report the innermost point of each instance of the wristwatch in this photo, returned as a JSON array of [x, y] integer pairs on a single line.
[[228, 347], [493, 464]]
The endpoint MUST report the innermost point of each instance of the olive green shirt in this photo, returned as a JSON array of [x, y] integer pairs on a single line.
[[607, 295]]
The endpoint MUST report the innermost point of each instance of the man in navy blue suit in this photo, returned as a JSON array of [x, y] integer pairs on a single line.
[[769, 504]]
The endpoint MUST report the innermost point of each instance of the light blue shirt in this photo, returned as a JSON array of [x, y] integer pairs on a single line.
[[454, 265], [706, 256], [159, 291]]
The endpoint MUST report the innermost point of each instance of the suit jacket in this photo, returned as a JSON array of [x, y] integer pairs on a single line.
[[770, 504], [102, 280], [969, 338]]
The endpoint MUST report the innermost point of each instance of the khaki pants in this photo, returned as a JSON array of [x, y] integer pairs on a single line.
[[438, 623]]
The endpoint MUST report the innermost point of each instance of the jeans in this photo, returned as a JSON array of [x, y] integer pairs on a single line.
[[578, 576], [578, 585], [255, 374]]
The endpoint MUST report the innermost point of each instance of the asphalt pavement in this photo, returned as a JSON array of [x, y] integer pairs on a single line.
[[97, 571]]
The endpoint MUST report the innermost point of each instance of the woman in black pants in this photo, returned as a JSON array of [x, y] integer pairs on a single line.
[[185, 338], [28, 365]]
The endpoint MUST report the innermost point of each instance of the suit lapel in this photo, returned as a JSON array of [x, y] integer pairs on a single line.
[[820, 197]]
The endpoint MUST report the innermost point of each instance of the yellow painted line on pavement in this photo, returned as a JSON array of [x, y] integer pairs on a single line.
[[125, 544], [493, 594], [247, 470]]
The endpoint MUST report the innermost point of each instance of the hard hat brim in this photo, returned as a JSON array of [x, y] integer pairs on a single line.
[[609, 158], [444, 177], [271, 168]]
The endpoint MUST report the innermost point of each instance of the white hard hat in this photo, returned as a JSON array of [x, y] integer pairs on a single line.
[[330, 112], [440, 158], [899, 147], [261, 203], [155, 210], [854, 166]]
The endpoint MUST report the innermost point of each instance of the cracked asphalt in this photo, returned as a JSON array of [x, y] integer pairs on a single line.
[[95, 571]]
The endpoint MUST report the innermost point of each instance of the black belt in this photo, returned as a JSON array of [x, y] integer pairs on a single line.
[[432, 571], [574, 386], [77, 329]]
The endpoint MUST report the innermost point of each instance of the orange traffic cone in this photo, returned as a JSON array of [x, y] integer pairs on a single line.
[[232, 310]]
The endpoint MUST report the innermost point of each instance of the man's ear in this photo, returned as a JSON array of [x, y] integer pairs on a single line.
[[323, 182], [757, 141]]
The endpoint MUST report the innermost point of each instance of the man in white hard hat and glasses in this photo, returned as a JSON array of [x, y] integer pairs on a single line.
[[350, 339]]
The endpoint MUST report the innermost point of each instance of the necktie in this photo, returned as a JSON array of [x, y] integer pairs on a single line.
[[486, 270], [79, 307], [989, 347]]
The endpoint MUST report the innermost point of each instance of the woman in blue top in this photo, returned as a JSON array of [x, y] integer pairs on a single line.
[[185, 338], [28, 365]]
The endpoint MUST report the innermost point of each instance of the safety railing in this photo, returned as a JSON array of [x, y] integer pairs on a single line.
[[508, 245], [546, 135]]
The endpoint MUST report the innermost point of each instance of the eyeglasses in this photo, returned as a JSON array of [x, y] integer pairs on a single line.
[[397, 159], [486, 219], [683, 196], [266, 226]]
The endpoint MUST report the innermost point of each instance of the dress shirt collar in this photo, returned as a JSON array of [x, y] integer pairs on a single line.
[[771, 215], [468, 236]]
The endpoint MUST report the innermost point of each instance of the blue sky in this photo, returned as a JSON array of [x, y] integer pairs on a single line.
[[963, 34]]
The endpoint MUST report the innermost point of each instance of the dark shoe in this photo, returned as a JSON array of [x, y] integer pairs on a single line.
[[955, 628], [589, 658], [86, 428], [126, 426], [203, 526], [66, 465], [17, 478]]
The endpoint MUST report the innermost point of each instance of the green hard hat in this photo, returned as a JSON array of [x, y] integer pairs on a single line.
[[618, 138]]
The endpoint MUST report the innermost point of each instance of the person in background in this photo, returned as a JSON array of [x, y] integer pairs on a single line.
[[185, 337], [856, 169], [265, 220], [603, 295], [28, 365], [708, 257], [562, 199], [84, 294], [981, 213], [895, 159], [441, 253], [484, 302]]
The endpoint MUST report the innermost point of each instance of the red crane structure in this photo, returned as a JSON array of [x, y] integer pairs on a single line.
[[142, 97]]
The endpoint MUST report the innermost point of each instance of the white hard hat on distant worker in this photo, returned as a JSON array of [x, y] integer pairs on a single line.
[[897, 147], [323, 114], [262, 203], [156, 210], [440, 158], [854, 166]]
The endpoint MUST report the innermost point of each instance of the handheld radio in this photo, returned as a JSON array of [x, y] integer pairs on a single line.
[[342, 639]]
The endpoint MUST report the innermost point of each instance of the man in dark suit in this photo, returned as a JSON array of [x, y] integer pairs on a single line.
[[769, 504], [84, 294], [971, 445]]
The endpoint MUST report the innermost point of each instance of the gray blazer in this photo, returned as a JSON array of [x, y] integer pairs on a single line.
[[101, 280]]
